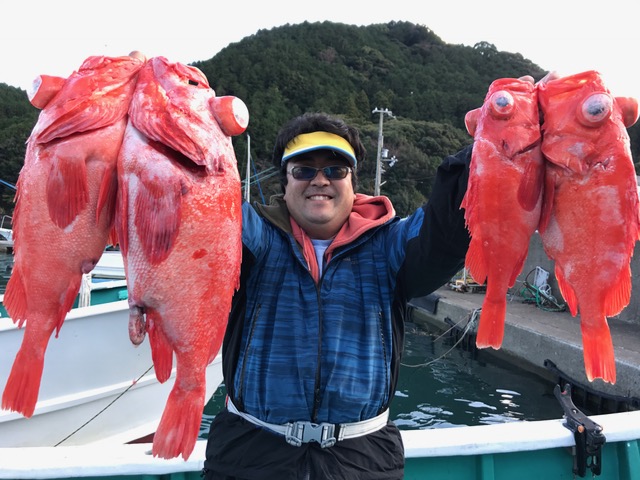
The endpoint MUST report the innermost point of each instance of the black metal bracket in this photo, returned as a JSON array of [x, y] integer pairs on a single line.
[[587, 434]]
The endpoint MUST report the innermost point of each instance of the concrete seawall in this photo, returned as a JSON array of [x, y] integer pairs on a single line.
[[537, 258], [534, 336]]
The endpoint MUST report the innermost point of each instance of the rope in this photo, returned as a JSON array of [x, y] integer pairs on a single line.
[[101, 411], [472, 321]]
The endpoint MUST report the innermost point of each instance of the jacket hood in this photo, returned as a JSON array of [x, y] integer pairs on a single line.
[[368, 212]]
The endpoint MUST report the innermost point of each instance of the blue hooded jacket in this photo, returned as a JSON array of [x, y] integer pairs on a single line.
[[327, 349]]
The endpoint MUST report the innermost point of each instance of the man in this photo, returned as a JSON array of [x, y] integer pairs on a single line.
[[313, 346]]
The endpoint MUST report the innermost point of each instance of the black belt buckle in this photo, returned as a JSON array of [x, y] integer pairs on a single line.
[[306, 432]]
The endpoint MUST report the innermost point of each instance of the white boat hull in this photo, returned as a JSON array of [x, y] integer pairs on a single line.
[[492, 451], [96, 385]]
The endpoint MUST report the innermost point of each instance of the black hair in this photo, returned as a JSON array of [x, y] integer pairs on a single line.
[[316, 122]]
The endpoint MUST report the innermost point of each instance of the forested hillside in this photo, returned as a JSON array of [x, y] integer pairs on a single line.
[[427, 84]]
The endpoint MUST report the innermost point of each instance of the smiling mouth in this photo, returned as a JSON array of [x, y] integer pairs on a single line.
[[319, 197]]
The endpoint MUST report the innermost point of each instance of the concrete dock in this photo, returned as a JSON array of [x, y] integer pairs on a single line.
[[534, 336]]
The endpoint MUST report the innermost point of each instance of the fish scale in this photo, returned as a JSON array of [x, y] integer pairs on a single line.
[[179, 224], [589, 223], [504, 195], [66, 195]]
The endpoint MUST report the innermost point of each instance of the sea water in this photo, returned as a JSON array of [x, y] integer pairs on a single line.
[[439, 385], [6, 264]]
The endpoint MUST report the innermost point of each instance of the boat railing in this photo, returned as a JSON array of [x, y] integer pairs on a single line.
[[6, 223]]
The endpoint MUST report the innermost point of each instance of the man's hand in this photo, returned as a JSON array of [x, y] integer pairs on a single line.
[[548, 77], [552, 75], [527, 78]]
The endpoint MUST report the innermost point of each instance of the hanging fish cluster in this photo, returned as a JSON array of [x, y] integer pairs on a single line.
[[572, 178], [140, 148]]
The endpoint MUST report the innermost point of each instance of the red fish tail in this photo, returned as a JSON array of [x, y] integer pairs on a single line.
[[180, 423], [491, 326], [599, 359], [21, 392]]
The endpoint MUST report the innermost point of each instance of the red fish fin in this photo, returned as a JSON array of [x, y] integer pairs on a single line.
[[15, 297], [43, 89], [107, 196], [163, 119], [618, 297], [474, 261], [216, 342], [491, 325], [547, 202], [67, 302], [113, 237], [23, 385], [180, 423], [567, 292], [517, 268], [530, 187], [157, 217], [468, 202], [471, 120], [161, 351], [95, 96], [629, 108], [67, 190], [599, 359], [121, 220]]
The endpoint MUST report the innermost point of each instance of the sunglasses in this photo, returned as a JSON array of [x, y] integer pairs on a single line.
[[335, 172]]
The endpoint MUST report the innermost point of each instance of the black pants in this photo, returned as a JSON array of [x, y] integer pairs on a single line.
[[209, 475], [239, 450]]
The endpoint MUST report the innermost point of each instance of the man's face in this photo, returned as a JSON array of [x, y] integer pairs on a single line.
[[320, 206]]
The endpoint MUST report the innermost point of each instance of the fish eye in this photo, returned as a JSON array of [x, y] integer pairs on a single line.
[[193, 82], [501, 104], [595, 109]]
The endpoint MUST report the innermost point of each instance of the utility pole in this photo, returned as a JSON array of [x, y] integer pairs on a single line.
[[247, 182], [380, 141]]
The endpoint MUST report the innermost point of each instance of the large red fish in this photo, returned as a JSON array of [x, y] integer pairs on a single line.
[[504, 197], [590, 221], [65, 198], [179, 226]]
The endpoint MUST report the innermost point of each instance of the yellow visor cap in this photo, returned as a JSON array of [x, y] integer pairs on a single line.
[[307, 142]]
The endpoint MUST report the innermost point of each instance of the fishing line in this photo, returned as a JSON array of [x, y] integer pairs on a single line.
[[470, 324], [107, 406]]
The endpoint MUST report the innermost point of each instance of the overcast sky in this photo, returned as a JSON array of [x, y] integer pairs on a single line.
[[55, 36]]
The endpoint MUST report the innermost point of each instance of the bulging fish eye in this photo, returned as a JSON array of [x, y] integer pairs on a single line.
[[501, 104], [231, 113], [595, 109]]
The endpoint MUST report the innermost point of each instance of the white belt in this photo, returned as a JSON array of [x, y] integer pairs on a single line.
[[297, 433]]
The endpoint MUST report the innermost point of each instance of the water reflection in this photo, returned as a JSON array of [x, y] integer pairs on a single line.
[[452, 388], [439, 386]]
